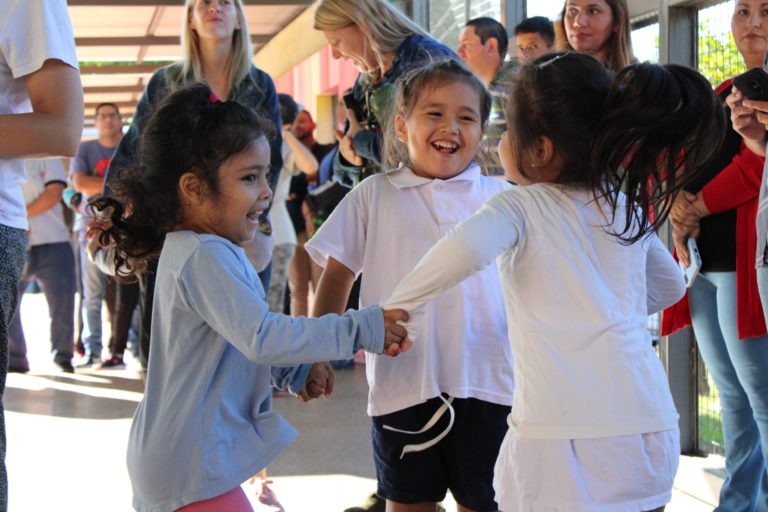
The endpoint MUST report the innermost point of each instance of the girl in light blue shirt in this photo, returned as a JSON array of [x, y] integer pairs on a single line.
[[205, 424]]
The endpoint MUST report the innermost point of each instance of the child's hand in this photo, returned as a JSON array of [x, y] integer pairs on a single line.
[[395, 336], [319, 382]]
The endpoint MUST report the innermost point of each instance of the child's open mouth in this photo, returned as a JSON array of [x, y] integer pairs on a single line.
[[445, 147], [254, 215]]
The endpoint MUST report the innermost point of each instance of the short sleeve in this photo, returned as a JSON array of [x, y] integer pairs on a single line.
[[343, 236], [36, 31], [54, 171]]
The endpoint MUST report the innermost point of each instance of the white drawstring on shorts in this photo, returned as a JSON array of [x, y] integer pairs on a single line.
[[431, 423]]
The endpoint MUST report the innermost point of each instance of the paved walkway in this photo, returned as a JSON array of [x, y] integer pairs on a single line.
[[67, 438]]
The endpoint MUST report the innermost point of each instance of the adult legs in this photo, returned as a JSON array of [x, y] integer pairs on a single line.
[[17, 342], [127, 299], [94, 291], [55, 270], [281, 259], [737, 367], [12, 245]]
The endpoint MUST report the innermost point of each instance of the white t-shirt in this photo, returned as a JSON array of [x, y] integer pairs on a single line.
[[577, 302], [382, 228], [31, 32], [282, 227], [49, 226]]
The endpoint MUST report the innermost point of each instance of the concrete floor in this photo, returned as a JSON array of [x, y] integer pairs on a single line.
[[67, 438]]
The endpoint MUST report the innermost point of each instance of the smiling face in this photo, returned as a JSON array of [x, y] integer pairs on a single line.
[[214, 19], [350, 43], [443, 130], [589, 25], [243, 195], [749, 25]]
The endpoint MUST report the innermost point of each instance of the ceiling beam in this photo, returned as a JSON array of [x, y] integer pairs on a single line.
[[120, 104], [113, 89], [128, 69], [176, 3], [147, 40]]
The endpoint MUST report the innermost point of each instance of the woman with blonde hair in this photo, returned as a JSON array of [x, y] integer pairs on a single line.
[[383, 44], [600, 28], [216, 49]]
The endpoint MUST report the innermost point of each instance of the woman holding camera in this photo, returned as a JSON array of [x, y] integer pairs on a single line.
[[383, 44], [723, 303]]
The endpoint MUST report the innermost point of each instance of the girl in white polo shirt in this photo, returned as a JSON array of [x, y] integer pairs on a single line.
[[593, 427], [422, 446]]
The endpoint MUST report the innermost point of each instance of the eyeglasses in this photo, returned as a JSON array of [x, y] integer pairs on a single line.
[[111, 115]]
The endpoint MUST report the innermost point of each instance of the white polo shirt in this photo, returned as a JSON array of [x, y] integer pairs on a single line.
[[577, 301], [49, 226], [381, 229], [31, 32]]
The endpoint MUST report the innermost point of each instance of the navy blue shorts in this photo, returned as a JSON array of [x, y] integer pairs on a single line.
[[462, 461]]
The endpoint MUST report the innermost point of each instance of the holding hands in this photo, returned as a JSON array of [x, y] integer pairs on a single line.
[[395, 335]]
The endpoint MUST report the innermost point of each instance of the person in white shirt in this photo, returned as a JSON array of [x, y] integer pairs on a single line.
[[50, 261], [381, 229], [41, 114], [593, 426]]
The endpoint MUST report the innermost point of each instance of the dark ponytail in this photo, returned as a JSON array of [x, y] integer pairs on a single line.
[[190, 131], [647, 132], [660, 127]]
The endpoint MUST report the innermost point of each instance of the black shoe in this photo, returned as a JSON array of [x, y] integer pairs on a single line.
[[18, 369], [66, 367], [113, 363], [373, 504], [87, 361]]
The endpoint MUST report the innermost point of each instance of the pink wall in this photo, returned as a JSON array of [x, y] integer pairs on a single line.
[[334, 76]]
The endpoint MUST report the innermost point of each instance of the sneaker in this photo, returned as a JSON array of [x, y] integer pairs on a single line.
[[373, 504], [66, 367], [87, 361], [114, 362]]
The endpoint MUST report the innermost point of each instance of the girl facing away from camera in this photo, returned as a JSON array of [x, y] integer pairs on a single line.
[[439, 415], [205, 425], [593, 426]]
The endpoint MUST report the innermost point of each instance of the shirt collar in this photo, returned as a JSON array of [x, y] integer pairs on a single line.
[[404, 177]]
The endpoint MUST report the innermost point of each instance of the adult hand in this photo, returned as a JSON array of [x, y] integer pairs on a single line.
[[319, 382], [749, 119], [684, 215], [395, 335], [346, 147]]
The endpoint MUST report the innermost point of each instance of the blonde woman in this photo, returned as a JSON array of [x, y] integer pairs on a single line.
[[383, 44], [216, 49], [599, 28]]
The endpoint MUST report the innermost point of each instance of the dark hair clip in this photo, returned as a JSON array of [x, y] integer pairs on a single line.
[[214, 98]]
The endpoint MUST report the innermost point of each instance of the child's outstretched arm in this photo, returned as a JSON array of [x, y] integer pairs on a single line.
[[468, 248], [663, 278]]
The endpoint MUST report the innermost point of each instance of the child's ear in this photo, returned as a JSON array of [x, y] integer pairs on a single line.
[[190, 188], [545, 151], [402, 134]]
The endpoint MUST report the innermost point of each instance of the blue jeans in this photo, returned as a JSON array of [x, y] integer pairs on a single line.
[[94, 293], [53, 266], [762, 285], [738, 368]]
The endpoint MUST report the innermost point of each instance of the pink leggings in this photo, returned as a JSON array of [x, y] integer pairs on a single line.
[[232, 501]]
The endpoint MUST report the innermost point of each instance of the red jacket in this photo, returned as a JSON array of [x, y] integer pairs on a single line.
[[737, 186]]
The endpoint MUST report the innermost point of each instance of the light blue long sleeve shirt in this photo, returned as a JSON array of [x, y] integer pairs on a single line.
[[205, 424]]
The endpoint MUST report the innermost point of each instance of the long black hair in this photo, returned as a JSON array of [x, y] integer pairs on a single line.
[[190, 131], [647, 132]]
